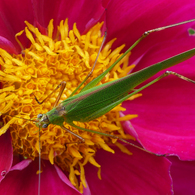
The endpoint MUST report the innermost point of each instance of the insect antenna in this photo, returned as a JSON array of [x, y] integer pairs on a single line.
[[33, 120], [39, 179], [25, 119]]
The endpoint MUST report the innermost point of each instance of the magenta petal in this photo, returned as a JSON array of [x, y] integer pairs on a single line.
[[21, 165], [82, 12], [6, 154], [25, 181], [54, 182], [140, 173], [63, 177], [166, 114], [12, 17], [7, 45], [183, 174], [21, 181], [128, 20]]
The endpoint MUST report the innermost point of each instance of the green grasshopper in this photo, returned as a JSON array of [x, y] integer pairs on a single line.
[[94, 101]]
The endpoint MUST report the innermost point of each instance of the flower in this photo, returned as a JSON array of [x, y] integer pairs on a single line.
[[119, 23]]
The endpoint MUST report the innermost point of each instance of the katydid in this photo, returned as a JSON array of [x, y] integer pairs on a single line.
[[94, 101]]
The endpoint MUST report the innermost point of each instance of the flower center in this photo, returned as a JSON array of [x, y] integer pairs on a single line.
[[52, 58]]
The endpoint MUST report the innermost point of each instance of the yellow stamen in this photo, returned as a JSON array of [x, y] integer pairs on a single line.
[[51, 156], [5, 127], [127, 117], [10, 88], [93, 162], [135, 96], [53, 58], [72, 176], [123, 148], [99, 173], [82, 175], [106, 147], [16, 37]]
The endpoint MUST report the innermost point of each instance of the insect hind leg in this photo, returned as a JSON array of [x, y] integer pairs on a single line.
[[167, 73]]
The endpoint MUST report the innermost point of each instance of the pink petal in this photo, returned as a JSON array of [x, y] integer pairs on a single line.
[[40, 12], [6, 155], [21, 165], [12, 17], [86, 191], [7, 45], [140, 173], [166, 114], [25, 181], [183, 174], [82, 12], [63, 177], [128, 20]]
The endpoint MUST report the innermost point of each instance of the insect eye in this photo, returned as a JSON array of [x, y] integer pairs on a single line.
[[39, 116], [45, 125]]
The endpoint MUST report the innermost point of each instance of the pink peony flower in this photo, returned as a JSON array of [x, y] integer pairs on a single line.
[[165, 111]]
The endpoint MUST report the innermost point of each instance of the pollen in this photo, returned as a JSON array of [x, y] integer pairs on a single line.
[[54, 56]]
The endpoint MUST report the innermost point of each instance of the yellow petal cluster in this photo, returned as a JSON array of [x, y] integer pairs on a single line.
[[65, 55]]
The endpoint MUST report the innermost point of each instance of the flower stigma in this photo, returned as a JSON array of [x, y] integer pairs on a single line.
[[50, 59]]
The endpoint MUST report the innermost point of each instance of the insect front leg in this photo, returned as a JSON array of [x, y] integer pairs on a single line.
[[62, 86]]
